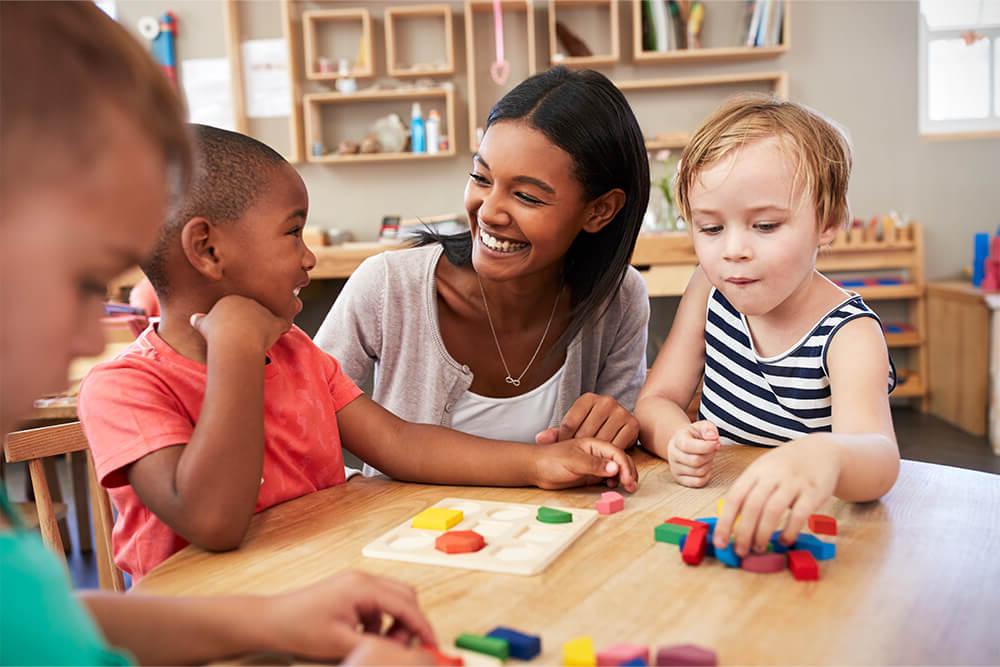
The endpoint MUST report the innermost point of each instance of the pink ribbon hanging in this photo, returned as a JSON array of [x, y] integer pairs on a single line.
[[500, 69]]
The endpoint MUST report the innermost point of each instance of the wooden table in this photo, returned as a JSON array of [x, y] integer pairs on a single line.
[[915, 580]]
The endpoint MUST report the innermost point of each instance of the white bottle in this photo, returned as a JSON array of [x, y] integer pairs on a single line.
[[433, 129]]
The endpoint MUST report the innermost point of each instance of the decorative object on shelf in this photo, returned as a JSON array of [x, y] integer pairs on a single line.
[[696, 18], [433, 131], [345, 84], [500, 69], [575, 47], [418, 135], [661, 213], [390, 133], [324, 65], [317, 149], [370, 144], [348, 147]]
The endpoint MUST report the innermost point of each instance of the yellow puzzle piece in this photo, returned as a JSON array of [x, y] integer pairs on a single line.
[[579, 652], [437, 518]]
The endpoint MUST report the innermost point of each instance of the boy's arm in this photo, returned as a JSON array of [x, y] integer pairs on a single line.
[[671, 383], [438, 455], [206, 491]]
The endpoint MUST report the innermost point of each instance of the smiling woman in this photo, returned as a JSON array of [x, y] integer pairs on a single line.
[[532, 325]]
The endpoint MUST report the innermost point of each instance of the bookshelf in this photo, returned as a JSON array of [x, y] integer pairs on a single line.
[[717, 54], [606, 11], [354, 43], [404, 20]]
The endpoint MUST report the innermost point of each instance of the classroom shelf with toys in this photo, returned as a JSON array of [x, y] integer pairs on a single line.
[[883, 261], [568, 17]]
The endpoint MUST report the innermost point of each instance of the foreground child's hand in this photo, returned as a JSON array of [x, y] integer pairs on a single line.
[[582, 461], [595, 416], [691, 451], [798, 476], [328, 620], [237, 318]]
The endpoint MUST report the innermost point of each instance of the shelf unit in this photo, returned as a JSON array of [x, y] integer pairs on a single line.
[[312, 20], [314, 103], [708, 55], [472, 47], [901, 249], [597, 59], [778, 82], [401, 14]]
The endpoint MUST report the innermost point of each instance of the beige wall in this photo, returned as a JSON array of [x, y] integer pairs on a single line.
[[855, 61]]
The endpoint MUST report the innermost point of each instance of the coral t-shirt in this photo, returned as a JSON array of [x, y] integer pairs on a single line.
[[150, 397]]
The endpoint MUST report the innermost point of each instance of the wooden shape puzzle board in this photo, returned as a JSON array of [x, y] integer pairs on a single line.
[[516, 542]]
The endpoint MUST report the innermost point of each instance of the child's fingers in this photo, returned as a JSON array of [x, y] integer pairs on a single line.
[[691, 444], [571, 423], [707, 430], [547, 437], [627, 435], [616, 462], [804, 505], [770, 517], [753, 505], [731, 508], [679, 457], [694, 481], [690, 471]]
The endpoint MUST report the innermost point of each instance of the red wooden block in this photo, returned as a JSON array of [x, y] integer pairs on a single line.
[[764, 563], [694, 546], [459, 542], [822, 524], [803, 565], [680, 521], [686, 655], [443, 659]]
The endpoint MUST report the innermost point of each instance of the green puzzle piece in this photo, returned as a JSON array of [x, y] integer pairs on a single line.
[[549, 515], [498, 648], [671, 533]]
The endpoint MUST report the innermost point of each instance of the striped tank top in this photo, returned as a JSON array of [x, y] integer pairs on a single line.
[[768, 401]]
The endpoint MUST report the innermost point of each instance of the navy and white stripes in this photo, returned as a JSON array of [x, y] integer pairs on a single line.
[[768, 401]]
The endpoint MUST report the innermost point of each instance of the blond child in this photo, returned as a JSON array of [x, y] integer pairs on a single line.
[[225, 408], [790, 360]]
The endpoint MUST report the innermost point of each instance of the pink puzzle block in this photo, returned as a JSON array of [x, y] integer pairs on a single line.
[[765, 563], [619, 654], [686, 655], [610, 502]]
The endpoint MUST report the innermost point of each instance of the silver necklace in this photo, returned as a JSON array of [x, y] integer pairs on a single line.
[[510, 379]]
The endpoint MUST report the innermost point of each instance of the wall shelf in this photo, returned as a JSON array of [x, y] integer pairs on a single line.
[[396, 17], [609, 7], [314, 22]]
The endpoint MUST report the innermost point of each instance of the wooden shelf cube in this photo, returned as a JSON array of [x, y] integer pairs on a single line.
[[356, 49], [581, 17], [397, 47]]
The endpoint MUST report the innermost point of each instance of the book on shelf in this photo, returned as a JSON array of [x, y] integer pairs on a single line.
[[765, 23]]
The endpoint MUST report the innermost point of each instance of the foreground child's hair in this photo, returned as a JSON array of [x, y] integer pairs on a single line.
[[818, 148]]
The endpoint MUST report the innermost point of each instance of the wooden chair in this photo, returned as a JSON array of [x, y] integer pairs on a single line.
[[35, 445]]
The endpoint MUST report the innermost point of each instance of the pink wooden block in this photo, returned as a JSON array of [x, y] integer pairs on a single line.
[[765, 563], [610, 503], [686, 655], [619, 654]]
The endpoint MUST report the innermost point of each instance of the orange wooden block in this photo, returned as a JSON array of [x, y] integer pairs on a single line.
[[460, 542]]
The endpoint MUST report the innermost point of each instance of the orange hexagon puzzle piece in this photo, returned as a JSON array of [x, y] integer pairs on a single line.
[[460, 542]]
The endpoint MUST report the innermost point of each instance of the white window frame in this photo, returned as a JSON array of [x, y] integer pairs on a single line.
[[965, 128]]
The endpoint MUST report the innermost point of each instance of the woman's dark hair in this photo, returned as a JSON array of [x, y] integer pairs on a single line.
[[584, 114]]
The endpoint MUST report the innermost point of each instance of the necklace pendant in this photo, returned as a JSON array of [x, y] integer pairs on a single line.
[[514, 381]]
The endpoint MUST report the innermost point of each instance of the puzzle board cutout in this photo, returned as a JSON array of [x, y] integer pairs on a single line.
[[516, 542]]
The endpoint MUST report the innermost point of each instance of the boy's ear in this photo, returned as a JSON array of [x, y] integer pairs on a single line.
[[603, 210], [828, 234], [199, 238]]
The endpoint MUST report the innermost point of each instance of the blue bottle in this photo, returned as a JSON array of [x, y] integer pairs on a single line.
[[418, 134]]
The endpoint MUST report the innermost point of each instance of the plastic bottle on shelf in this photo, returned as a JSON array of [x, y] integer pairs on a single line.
[[418, 136], [433, 130]]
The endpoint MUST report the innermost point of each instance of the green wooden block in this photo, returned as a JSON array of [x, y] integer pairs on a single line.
[[671, 533], [549, 515], [498, 648]]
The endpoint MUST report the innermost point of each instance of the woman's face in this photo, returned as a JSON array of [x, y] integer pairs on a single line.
[[62, 242], [524, 203]]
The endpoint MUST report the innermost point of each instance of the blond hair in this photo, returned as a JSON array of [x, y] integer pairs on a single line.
[[68, 73], [821, 150]]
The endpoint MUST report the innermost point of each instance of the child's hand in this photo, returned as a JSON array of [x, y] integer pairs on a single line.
[[582, 461], [691, 451], [595, 416], [328, 620], [236, 318], [798, 476]]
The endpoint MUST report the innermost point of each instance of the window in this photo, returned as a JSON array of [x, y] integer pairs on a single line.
[[959, 68]]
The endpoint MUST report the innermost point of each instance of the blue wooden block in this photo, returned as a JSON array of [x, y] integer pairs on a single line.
[[522, 646], [776, 545], [635, 662], [819, 549], [710, 521], [728, 556]]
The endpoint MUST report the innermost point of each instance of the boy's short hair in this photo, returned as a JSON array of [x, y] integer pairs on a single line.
[[66, 69], [820, 148], [231, 171]]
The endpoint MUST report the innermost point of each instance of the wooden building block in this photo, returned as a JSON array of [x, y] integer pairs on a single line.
[[765, 563], [818, 548], [443, 659], [803, 565], [437, 518], [549, 515], [694, 546], [460, 542], [728, 556], [610, 502], [579, 652], [822, 524], [687, 655], [498, 648], [670, 533], [622, 654], [522, 646]]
